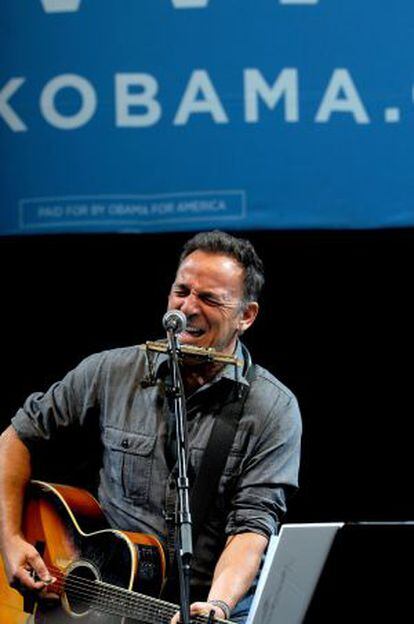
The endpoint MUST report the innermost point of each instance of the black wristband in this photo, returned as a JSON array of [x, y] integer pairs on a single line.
[[223, 606]]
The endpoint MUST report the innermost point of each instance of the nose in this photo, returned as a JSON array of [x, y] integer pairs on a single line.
[[190, 305]]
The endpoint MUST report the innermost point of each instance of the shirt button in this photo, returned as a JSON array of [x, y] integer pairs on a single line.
[[125, 443]]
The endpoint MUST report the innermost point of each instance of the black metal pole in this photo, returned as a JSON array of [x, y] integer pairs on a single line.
[[184, 525]]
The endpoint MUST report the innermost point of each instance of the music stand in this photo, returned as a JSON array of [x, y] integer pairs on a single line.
[[355, 573]]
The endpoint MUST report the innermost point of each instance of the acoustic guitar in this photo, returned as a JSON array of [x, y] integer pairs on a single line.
[[102, 576]]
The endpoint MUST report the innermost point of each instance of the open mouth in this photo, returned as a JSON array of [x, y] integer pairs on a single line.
[[194, 332]]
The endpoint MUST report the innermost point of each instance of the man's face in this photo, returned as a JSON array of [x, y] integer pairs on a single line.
[[208, 289]]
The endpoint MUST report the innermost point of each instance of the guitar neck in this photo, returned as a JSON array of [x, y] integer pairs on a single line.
[[135, 606], [144, 609]]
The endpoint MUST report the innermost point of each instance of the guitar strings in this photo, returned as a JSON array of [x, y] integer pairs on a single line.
[[102, 601], [98, 590], [146, 611]]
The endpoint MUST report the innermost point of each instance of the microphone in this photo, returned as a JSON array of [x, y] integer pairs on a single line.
[[174, 321]]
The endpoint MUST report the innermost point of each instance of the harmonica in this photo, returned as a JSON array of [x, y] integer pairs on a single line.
[[209, 354]]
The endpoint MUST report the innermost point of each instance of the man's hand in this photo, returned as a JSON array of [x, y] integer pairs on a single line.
[[25, 569], [22, 562], [201, 608]]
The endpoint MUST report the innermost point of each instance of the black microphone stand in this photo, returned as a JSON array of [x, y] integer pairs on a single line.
[[184, 524]]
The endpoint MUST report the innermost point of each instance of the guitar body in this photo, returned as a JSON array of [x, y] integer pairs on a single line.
[[88, 561]]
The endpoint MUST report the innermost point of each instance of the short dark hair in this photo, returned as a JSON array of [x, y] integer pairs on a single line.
[[240, 249]]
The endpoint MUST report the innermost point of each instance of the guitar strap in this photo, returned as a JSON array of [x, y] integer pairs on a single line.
[[215, 456], [205, 485]]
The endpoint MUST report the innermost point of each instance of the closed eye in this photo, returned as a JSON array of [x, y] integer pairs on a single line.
[[181, 291], [210, 300]]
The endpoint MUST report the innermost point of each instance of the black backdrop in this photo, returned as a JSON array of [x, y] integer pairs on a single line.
[[335, 326]]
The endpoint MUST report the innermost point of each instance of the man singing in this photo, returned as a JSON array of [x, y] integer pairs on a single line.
[[121, 395]]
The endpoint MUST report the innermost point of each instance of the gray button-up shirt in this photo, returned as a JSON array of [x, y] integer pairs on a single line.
[[109, 393]]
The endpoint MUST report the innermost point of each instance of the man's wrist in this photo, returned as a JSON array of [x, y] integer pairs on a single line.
[[7, 537], [223, 606]]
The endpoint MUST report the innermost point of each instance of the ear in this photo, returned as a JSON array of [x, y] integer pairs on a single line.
[[248, 316]]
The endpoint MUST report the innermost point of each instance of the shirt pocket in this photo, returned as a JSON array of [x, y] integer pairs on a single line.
[[128, 461]]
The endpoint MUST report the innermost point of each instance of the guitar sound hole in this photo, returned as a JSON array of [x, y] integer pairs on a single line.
[[80, 589]]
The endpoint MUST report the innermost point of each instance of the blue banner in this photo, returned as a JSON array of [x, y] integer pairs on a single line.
[[167, 115]]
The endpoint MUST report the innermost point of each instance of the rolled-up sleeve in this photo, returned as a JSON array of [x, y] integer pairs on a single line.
[[64, 404], [269, 472]]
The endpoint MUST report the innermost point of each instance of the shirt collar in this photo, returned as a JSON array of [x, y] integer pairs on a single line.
[[230, 372]]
